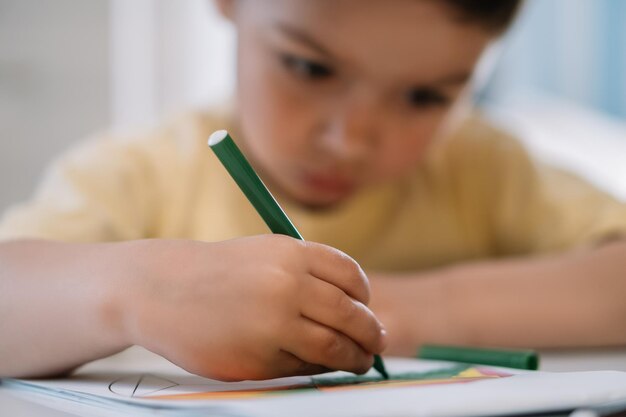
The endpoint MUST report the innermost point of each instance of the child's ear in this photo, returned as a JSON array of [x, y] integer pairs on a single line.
[[226, 8]]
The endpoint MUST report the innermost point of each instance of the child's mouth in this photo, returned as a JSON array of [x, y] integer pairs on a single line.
[[328, 184]]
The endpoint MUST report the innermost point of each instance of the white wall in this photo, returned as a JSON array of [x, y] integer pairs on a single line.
[[571, 48], [69, 68], [54, 84], [166, 56]]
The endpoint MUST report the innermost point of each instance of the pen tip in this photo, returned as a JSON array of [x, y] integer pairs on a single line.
[[379, 365]]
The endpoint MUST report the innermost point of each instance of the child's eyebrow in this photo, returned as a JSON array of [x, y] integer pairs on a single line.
[[304, 38], [452, 79]]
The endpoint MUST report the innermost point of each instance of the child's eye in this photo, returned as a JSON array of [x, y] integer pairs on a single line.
[[306, 68], [426, 97]]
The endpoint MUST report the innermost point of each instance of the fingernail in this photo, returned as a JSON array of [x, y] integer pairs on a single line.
[[383, 337]]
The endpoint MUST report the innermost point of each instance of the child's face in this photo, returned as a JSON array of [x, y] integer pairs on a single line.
[[334, 95]]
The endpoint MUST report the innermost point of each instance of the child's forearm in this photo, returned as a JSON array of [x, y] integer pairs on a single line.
[[57, 306], [573, 299]]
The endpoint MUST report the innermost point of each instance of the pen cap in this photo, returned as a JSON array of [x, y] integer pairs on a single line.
[[520, 359]]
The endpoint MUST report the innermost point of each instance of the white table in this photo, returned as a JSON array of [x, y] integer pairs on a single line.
[[553, 361]]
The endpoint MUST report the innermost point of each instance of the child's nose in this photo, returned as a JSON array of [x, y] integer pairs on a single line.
[[351, 131]]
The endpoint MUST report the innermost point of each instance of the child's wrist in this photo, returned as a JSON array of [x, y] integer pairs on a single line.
[[431, 312], [457, 304], [116, 284], [443, 327]]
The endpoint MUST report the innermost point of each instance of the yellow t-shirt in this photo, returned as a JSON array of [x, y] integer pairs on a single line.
[[477, 195]]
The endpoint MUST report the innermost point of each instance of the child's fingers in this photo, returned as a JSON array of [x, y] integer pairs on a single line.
[[320, 345], [337, 268], [328, 305], [288, 364]]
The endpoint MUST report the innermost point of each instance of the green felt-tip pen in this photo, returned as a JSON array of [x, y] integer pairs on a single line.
[[520, 359], [259, 196]]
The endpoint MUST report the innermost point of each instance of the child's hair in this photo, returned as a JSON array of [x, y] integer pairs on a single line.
[[494, 15]]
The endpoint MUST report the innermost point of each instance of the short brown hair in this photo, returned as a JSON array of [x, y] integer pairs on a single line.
[[494, 15]]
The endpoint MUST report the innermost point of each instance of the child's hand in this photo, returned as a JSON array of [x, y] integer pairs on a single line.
[[252, 308]]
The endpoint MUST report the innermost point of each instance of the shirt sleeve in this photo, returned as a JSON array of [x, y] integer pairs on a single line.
[[101, 191], [545, 209], [113, 188], [538, 208]]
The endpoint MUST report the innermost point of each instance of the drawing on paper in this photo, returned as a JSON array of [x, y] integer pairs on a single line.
[[156, 387]]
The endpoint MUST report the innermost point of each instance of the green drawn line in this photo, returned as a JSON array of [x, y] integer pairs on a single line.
[[403, 376]]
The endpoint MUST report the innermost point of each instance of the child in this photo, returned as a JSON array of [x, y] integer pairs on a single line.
[[344, 107]]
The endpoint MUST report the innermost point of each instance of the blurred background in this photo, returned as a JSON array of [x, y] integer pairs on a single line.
[[71, 68]]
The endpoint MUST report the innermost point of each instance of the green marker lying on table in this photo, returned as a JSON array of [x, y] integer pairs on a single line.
[[520, 359], [259, 196]]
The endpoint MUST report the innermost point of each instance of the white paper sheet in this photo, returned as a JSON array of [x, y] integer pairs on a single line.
[[131, 389]]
